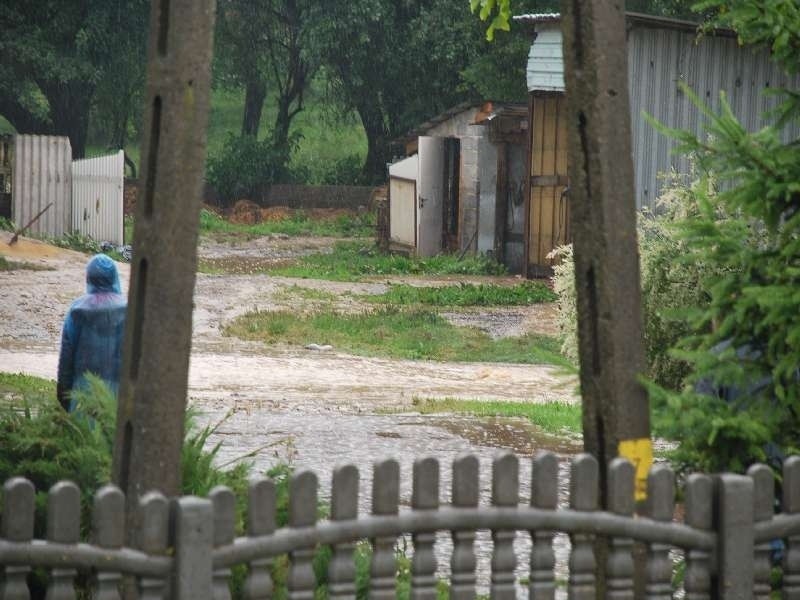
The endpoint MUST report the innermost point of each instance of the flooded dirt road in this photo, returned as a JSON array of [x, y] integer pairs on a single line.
[[317, 409]]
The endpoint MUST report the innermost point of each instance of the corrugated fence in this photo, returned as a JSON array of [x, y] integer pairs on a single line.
[[97, 203], [42, 177], [82, 195]]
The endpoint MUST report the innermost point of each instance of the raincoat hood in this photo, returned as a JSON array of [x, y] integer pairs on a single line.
[[102, 275]]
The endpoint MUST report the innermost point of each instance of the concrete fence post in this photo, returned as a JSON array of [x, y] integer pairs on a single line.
[[733, 520], [194, 547]]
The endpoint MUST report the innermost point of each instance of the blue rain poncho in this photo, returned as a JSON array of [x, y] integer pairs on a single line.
[[91, 340]]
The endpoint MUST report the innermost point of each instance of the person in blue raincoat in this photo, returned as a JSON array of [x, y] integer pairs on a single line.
[[94, 328]]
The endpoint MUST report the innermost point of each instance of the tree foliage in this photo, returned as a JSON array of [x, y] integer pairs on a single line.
[[746, 343], [55, 55]]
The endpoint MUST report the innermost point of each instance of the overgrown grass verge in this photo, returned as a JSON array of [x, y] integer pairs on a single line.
[[552, 417], [395, 333], [295, 224], [467, 294], [15, 265], [352, 261]]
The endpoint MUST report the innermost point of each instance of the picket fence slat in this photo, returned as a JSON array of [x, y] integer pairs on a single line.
[[425, 496], [583, 494], [19, 507], [224, 504], [260, 521], [619, 566], [791, 506], [465, 494], [505, 493], [108, 531], [544, 495], [660, 507], [699, 514], [764, 488], [153, 538], [64, 527], [385, 501], [344, 507], [302, 513]]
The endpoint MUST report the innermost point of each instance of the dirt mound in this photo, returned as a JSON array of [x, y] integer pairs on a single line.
[[245, 212], [28, 249]]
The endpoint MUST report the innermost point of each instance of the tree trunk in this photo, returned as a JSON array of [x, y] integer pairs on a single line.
[[378, 142], [255, 94], [69, 111], [283, 121]]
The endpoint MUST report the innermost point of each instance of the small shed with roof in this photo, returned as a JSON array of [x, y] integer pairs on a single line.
[[461, 186], [662, 54]]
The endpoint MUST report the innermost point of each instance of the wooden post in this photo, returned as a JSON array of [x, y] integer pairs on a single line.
[[616, 418], [154, 376]]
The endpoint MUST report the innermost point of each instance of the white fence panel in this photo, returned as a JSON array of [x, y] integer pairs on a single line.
[[97, 197], [42, 178]]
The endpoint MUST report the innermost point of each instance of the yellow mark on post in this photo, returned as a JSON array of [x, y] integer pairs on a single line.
[[640, 453]]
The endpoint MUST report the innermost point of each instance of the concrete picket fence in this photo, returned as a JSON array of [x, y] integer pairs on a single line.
[[186, 548]]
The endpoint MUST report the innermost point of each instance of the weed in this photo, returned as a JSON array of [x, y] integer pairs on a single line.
[[467, 294], [352, 261], [6, 224], [394, 333]]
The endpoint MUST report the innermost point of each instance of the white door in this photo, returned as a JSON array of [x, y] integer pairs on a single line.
[[430, 196], [97, 197]]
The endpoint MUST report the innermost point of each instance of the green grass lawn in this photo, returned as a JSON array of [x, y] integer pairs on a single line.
[[467, 294], [395, 333], [19, 385], [552, 417], [353, 261]]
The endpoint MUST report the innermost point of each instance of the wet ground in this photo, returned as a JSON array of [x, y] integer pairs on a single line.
[[318, 409]]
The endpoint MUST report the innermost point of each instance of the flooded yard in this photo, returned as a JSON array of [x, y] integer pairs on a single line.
[[317, 409]]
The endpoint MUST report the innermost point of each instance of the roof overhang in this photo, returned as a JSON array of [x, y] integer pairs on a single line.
[[633, 19]]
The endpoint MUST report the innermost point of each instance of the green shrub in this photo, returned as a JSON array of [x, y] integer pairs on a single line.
[[245, 164], [672, 290]]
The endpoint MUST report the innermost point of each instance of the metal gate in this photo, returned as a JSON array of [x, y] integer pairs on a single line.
[[97, 197]]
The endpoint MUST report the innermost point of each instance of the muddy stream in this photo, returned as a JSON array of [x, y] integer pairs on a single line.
[[317, 409]]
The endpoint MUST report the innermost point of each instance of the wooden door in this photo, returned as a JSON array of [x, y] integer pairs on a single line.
[[548, 201]]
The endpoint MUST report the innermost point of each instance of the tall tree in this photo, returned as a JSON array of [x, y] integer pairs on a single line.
[[263, 44], [54, 54], [239, 56]]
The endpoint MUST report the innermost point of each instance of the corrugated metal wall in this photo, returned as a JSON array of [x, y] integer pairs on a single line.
[[658, 60], [42, 175], [97, 197]]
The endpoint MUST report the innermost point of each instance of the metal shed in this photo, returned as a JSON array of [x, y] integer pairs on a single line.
[[662, 53]]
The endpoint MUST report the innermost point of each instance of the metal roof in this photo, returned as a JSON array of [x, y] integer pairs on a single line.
[[633, 18]]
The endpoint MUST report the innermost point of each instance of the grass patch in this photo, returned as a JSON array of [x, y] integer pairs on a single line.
[[552, 417], [352, 261], [395, 333], [305, 293], [296, 224], [467, 294], [17, 385], [15, 265]]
